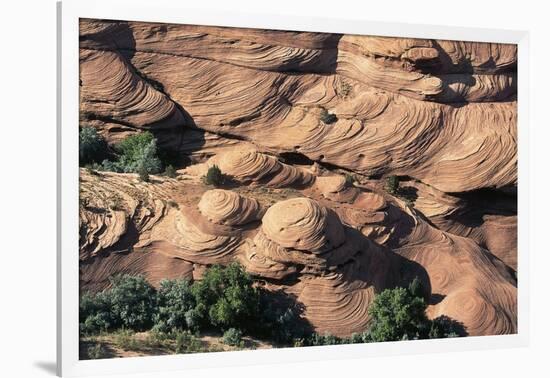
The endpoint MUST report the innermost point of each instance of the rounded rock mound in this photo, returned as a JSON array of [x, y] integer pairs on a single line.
[[251, 166], [228, 208], [303, 224]]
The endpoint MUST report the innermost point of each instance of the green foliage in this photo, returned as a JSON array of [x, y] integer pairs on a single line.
[[136, 153], [392, 184], [143, 174], [326, 117], [92, 147], [281, 324], [96, 351], [214, 176], [328, 339], [226, 298], [356, 338], [415, 288], [350, 179], [170, 171], [95, 313], [186, 342], [344, 88], [126, 340], [157, 339], [444, 327], [232, 336], [395, 314], [175, 300], [133, 301]]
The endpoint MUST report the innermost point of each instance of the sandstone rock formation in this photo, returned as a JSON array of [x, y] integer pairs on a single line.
[[304, 208]]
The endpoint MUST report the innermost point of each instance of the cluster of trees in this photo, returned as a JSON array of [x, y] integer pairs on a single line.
[[137, 153], [226, 300]]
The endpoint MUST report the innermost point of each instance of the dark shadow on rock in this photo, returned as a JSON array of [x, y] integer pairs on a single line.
[[404, 223], [436, 298], [408, 193]]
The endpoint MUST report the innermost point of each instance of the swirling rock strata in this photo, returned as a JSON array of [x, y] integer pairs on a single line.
[[248, 166], [390, 96], [442, 115], [230, 208]]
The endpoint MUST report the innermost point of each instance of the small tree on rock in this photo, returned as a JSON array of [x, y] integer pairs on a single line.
[[214, 176]]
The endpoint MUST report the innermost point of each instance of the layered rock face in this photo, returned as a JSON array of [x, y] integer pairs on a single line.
[[441, 115]]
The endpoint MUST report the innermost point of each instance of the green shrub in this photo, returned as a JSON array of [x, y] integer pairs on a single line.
[[395, 314], [157, 339], [415, 288], [226, 298], [126, 340], [135, 153], [214, 176], [232, 336], [133, 301], [350, 179], [96, 351], [175, 301], [186, 342], [356, 338], [95, 313], [326, 117], [328, 339], [283, 324], [344, 88], [170, 171], [392, 184], [445, 327], [143, 174], [92, 147]]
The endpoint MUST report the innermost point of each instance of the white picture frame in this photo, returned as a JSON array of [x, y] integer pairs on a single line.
[[69, 12]]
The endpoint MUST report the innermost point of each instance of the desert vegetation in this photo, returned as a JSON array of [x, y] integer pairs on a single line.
[[228, 302]]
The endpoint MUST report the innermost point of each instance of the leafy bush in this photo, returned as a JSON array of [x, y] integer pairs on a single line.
[[157, 339], [395, 314], [133, 301], [225, 298], [444, 327], [328, 339], [350, 179], [135, 153], [392, 184], [96, 351], [326, 117], [214, 176], [356, 338], [279, 323], [232, 336], [170, 171], [344, 88], [415, 288], [92, 147], [126, 340], [143, 174], [186, 342], [95, 313], [175, 301]]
